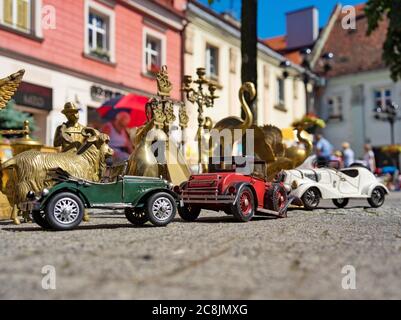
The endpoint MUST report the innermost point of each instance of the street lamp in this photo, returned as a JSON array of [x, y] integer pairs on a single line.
[[327, 60], [388, 113]]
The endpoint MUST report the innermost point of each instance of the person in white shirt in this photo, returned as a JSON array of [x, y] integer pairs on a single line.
[[369, 158], [348, 154]]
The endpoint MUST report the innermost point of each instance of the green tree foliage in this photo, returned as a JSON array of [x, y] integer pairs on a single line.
[[376, 11], [14, 119]]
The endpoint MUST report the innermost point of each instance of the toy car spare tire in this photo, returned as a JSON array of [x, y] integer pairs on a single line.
[[244, 208], [161, 208], [341, 203], [311, 198], [136, 216], [40, 219], [377, 197], [277, 199], [64, 211], [189, 213]]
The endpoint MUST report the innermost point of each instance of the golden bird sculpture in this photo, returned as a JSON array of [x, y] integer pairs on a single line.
[[236, 122], [268, 139], [9, 86]]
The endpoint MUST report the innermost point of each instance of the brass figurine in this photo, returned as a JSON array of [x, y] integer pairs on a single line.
[[235, 122], [169, 164], [31, 168], [202, 99], [268, 140], [164, 86], [8, 87], [69, 136]]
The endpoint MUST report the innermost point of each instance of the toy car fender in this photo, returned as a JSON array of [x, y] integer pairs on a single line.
[[380, 185]]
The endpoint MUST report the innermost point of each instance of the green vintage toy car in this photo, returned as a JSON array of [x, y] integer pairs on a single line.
[[142, 198]]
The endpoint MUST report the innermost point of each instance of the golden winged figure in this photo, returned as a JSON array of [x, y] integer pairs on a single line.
[[8, 87]]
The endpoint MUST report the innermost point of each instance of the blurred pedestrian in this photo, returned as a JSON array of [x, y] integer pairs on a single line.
[[348, 154], [120, 141], [338, 157], [324, 149], [369, 158]]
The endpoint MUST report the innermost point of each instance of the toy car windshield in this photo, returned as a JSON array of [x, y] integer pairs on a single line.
[[239, 164]]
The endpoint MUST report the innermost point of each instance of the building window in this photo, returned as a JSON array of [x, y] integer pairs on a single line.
[[212, 62], [98, 39], [383, 97], [16, 14], [99, 33], [154, 52], [335, 107], [280, 94]]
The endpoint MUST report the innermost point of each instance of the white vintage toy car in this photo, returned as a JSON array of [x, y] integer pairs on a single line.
[[311, 185]]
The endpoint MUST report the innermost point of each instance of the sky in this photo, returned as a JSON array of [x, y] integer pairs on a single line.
[[271, 13]]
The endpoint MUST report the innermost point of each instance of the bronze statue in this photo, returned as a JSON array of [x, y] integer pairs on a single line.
[[8, 87], [69, 136]]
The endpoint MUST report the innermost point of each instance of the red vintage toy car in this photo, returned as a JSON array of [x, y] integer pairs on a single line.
[[230, 188]]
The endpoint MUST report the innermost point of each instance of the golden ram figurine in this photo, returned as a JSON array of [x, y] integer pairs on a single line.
[[31, 168]]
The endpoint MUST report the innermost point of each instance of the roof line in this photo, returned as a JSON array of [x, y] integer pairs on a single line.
[[319, 45], [207, 13]]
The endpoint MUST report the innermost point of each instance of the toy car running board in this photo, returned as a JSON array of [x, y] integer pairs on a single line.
[[279, 213]]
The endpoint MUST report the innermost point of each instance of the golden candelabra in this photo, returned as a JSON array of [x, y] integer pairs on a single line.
[[202, 99]]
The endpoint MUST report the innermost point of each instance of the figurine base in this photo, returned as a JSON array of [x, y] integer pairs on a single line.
[[5, 208]]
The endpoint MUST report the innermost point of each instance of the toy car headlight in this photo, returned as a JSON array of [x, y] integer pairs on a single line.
[[294, 184], [287, 188], [45, 192], [30, 195]]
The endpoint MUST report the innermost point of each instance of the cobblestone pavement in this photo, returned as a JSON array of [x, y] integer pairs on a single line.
[[215, 258]]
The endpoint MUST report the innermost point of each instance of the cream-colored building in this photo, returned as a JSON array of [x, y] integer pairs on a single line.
[[213, 41]]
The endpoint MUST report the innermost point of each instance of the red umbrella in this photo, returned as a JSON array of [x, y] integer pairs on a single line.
[[131, 103]]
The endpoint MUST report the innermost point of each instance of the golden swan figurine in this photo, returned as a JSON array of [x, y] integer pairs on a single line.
[[236, 122]]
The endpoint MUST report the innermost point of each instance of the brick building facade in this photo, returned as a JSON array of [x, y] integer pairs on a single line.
[[87, 51]]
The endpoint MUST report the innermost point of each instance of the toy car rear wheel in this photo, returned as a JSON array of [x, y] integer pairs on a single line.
[[311, 198], [136, 216], [277, 199], [189, 212], [64, 211], [40, 219], [341, 203], [161, 209], [377, 197], [244, 209]]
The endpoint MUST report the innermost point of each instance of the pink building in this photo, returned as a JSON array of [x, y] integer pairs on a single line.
[[87, 51]]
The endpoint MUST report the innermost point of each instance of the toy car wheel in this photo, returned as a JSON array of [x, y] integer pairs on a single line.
[[244, 209], [311, 198], [136, 216], [377, 197], [341, 203], [189, 213], [40, 219], [64, 211], [161, 209], [277, 199]]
